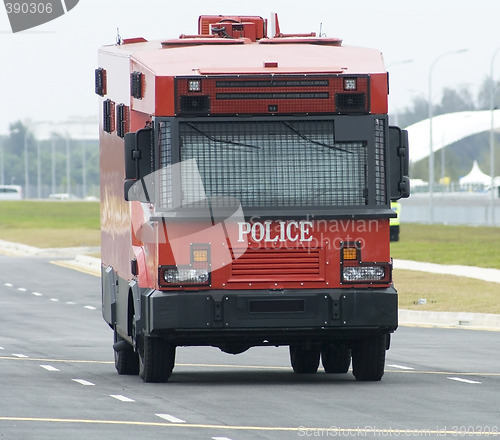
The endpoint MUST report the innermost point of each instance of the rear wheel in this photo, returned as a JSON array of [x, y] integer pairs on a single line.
[[157, 359], [368, 358], [336, 357], [126, 360], [304, 360]]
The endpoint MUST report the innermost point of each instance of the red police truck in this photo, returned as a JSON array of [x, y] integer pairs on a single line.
[[246, 188]]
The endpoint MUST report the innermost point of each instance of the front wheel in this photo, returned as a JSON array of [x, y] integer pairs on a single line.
[[368, 358], [304, 360], [156, 359]]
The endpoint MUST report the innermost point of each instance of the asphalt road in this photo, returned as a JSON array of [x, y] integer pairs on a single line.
[[57, 379]]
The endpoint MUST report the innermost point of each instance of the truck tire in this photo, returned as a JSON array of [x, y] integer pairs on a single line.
[[336, 357], [368, 358], [304, 360], [126, 361], [156, 359]]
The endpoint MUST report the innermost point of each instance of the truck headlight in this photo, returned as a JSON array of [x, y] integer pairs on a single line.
[[363, 273], [181, 276]]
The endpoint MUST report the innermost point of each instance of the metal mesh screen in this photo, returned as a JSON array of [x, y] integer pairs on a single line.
[[165, 178], [276, 163], [380, 175]]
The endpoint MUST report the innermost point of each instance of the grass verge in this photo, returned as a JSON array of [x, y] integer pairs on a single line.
[[48, 224], [446, 244], [445, 293]]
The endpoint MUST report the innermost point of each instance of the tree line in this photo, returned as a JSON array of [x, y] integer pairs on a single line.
[[56, 165], [452, 100]]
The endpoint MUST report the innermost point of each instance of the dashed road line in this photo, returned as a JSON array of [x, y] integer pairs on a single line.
[[66, 361], [221, 438], [251, 367], [460, 379], [20, 356], [400, 367], [23, 289], [49, 368], [83, 382], [170, 418], [121, 398]]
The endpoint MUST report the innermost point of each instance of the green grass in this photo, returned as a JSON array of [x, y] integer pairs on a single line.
[[465, 245], [50, 223], [442, 244], [445, 293]]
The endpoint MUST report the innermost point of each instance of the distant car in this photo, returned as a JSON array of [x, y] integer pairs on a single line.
[[11, 192], [62, 196]]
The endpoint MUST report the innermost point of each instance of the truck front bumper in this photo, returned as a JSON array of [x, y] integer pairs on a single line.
[[199, 317]]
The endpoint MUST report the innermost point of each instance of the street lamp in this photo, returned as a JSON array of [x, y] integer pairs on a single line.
[[492, 138], [38, 161], [2, 168], [431, 147], [26, 171]]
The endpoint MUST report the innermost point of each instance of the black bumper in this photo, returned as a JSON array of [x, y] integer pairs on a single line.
[[268, 316]]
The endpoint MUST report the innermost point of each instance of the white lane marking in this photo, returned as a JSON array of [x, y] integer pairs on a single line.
[[21, 289], [400, 367], [8, 285], [1, 348], [23, 356], [70, 303], [221, 438], [459, 379], [121, 398], [83, 382], [54, 300], [170, 418], [37, 293], [90, 307], [49, 367]]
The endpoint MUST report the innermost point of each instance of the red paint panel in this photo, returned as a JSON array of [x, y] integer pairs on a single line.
[[287, 264], [378, 93], [165, 98]]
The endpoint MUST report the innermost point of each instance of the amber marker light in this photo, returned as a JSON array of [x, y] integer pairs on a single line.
[[200, 255], [349, 253]]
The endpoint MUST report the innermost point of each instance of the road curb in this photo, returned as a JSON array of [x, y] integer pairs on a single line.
[[465, 320], [91, 264], [479, 273], [19, 249]]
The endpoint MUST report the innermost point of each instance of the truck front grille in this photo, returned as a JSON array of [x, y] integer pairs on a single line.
[[277, 265]]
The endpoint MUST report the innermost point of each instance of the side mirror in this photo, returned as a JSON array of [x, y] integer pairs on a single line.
[[399, 182], [139, 163]]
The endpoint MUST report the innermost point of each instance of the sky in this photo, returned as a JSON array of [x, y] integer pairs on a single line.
[[47, 72]]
